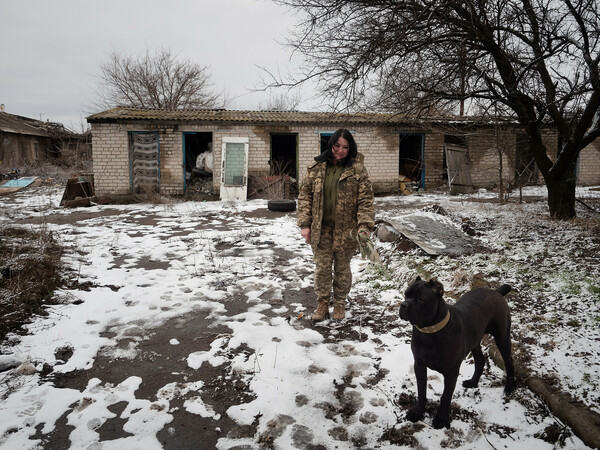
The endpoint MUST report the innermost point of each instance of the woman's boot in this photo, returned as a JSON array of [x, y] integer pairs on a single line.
[[321, 312], [339, 310]]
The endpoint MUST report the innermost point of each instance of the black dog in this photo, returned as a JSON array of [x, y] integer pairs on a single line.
[[443, 335]]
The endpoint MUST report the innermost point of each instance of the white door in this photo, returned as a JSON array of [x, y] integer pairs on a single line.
[[234, 168]]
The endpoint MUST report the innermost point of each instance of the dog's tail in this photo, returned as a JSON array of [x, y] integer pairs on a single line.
[[504, 289]]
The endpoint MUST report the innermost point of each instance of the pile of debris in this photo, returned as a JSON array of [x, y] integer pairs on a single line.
[[79, 191]]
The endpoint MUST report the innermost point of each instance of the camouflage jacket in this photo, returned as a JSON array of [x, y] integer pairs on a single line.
[[354, 204]]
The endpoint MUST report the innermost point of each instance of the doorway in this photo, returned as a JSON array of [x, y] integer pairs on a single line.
[[144, 163], [197, 159], [284, 155], [457, 164], [410, 160]]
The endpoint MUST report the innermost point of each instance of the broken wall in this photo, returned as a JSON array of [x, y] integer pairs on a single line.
[[19, 149]]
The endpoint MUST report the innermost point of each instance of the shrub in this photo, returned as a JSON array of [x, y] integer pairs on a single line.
[[30, 262]]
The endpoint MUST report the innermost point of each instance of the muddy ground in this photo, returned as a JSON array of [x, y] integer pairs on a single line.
[[159, 363]]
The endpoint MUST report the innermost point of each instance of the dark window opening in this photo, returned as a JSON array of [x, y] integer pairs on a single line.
[[284, 155], [411, 156], [325, 140], [455, 139]]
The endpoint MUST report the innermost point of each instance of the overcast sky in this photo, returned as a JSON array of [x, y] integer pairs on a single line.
[[51, 50]]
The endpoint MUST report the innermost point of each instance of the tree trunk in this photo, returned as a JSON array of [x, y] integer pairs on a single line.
[[561, 195]]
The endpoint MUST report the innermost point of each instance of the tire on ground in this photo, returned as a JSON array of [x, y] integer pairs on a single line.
[[281, 205]]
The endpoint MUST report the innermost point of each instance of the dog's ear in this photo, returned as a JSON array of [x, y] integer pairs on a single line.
[[437, 287], [418, 278]]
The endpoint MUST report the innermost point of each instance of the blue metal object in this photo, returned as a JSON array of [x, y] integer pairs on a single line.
[[19, 182]]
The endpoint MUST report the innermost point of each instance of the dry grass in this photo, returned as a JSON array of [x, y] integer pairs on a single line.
[[58, 171], [271, 187], [275, 185], [30, 262]]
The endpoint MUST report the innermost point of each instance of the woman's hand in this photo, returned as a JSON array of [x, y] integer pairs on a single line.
[[305, 233]]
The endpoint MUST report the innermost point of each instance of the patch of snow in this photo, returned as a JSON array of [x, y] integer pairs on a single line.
[[309, 385]]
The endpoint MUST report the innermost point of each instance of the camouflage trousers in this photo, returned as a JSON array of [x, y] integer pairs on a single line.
[[332, 269]]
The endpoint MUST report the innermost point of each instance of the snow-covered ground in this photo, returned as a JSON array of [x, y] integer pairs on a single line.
[[337, 386]]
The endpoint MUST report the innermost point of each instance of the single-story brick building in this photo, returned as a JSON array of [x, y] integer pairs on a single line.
[[135, 149]]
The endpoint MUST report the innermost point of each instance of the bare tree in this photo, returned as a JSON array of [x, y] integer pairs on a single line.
[[281, 102], [158, 80], [534, 59]]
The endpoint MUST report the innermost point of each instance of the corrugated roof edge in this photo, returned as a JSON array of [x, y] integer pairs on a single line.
[[124, 113]]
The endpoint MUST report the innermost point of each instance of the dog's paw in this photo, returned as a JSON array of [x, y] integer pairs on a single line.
[[470, 384], [441, 421], [509, 388], [414, 414]]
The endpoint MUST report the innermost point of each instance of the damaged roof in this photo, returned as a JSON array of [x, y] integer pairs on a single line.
[[9, 123], [124, 113]]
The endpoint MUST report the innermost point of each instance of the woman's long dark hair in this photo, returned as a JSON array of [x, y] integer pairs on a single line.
[[327, 155]]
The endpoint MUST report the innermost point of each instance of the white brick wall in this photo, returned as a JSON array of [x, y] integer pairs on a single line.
[[589, 165], [110, 153]]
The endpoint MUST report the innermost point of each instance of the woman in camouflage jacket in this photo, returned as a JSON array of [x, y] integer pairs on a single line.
[[334, 204]]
